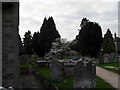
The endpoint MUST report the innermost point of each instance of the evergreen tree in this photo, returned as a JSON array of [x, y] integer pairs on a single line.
[[34, 42], [83, 22], [108, 43], [27, 43], [48, 34], [90, 39], [21, 49]]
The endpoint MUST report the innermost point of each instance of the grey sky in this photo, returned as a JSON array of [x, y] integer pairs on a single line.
[[68, 14]]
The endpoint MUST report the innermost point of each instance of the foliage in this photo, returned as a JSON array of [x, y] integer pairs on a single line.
[[108, 43], [42, 41], [84, 22], [24, 68], [21, 48], [90, 39], [45, 72], [27, 43], [61, 50], [34, 58], [35, 44]]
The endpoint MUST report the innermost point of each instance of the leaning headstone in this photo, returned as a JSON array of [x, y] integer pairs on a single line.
[[56, 70], [85, 74]]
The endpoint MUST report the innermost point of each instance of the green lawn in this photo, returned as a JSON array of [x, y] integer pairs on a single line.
[[24, 66], [100, 83], [45, 72], [114, 64], [67, 82]]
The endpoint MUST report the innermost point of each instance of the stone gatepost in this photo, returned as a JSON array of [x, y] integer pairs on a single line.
[[56, 70], [0, 43], [85, 74], [10, 43]]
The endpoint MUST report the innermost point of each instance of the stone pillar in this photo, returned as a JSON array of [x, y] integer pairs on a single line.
[[0, 43], [85, 74], [56, 70], [10, 44]]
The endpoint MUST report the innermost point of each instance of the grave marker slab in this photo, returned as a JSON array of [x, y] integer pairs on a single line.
[[56, 70], [85, 74]]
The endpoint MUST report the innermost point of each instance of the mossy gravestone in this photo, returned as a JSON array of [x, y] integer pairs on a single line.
[[85, 74], [56, 70]]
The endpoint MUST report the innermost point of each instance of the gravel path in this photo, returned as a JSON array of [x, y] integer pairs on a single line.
[[110, 77], [29, 81]]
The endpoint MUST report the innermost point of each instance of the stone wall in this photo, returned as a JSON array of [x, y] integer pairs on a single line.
[[10, 43]]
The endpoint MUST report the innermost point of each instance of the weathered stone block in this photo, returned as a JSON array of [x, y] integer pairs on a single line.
[[85, 74]]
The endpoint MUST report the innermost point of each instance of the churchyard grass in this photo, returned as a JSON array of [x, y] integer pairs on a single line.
[[23, 68], [45, 72], [100, 83], [68, 82], [114, 64]]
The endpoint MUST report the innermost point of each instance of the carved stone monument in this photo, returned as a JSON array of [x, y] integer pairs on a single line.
[[85, 74]]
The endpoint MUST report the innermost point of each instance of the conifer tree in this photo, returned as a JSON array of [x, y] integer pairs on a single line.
[[108, 43], [90, 38], [27, 43]]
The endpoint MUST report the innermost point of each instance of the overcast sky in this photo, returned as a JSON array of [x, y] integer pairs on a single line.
[[68, 14]]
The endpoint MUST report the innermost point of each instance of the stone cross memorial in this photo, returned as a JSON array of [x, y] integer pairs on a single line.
[[85, 74]]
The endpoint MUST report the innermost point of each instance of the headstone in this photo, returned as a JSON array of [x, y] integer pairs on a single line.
[[56, 70], [85, 74], [106, 58]]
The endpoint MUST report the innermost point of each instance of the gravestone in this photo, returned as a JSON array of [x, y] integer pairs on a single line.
[[106, 58], [56, 70], [85, 74]]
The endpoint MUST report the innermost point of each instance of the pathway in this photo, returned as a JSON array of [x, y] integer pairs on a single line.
[[110, 77], [29, 81]]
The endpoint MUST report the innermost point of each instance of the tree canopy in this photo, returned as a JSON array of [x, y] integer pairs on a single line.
[[89, 40], [108, 43], [42, 41], [27, 42]]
